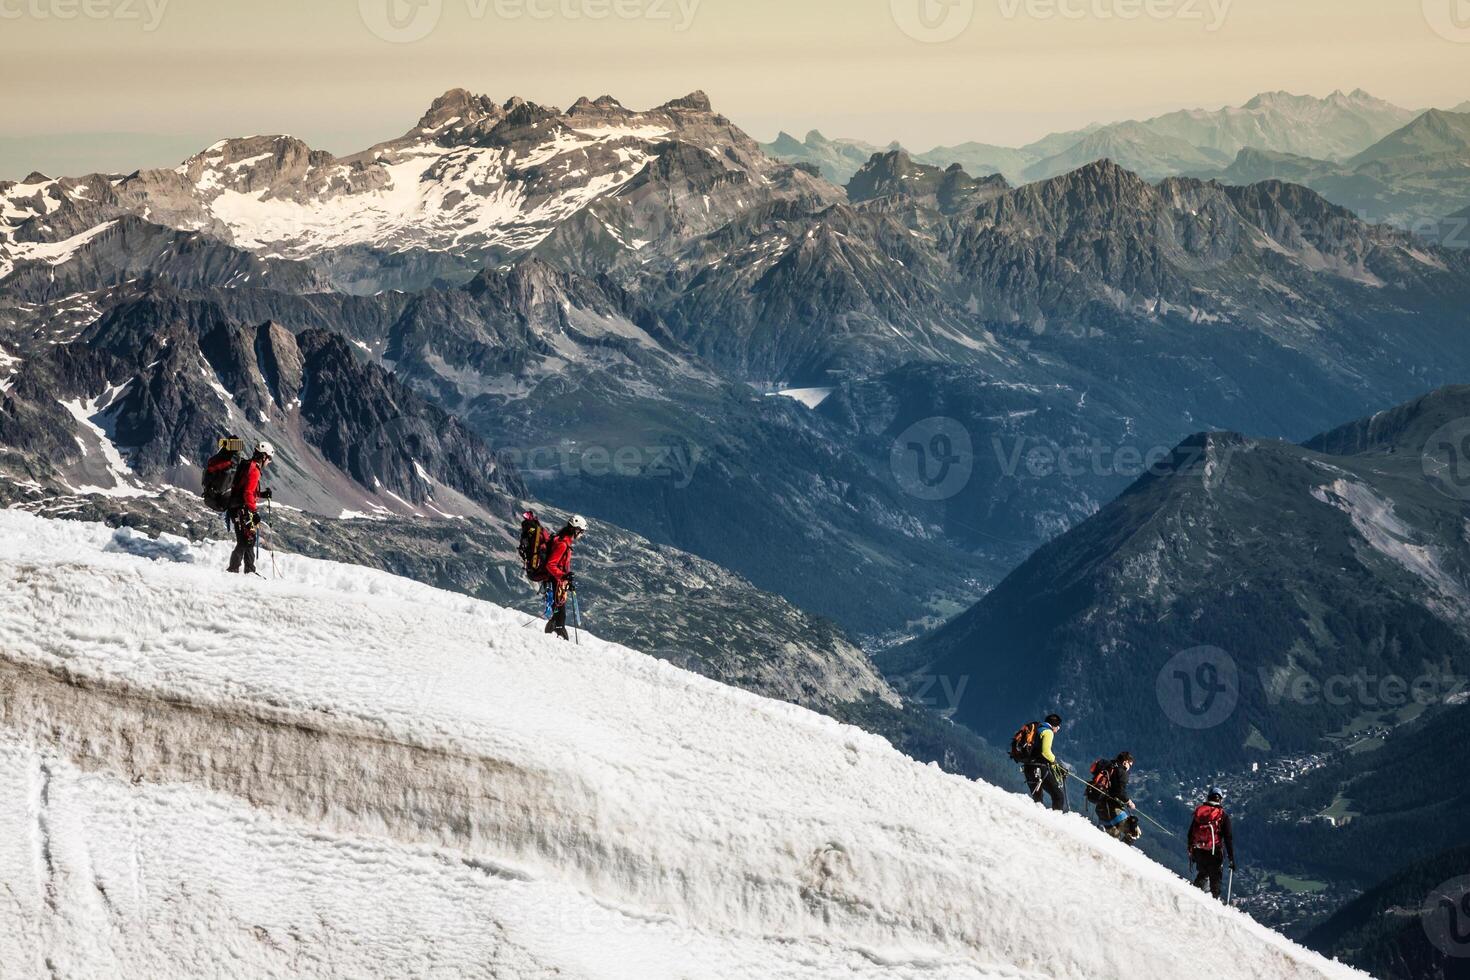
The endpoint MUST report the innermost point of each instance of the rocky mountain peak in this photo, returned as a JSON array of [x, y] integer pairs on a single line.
[[458, 104], [695, 101]]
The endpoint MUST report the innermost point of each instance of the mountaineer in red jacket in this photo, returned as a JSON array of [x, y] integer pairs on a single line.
[[1211, 842], [560, 582], [245, 496]]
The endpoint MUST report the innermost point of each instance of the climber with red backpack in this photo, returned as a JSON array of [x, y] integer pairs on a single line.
[[547, 559], [245, 496], [1031, 747], [1211, 842]]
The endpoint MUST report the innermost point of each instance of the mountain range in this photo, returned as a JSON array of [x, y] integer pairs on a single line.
[[810, 422], [1333, 128], [1387, 163], [637, 308]]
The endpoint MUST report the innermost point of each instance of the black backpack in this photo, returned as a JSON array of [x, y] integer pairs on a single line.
[[219, 474], [1026, 743], [535, 542]]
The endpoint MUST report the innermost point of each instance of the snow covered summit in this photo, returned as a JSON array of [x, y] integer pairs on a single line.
[[343, 773]]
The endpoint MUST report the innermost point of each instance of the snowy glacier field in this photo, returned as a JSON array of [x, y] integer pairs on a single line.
[[341, 773]]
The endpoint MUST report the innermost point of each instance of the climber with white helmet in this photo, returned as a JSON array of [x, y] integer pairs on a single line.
[[561, 583], [245, 497]]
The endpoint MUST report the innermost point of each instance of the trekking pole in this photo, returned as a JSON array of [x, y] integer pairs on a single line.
[[1230, 886], [545, 613], [576, 618], [1122, 804]]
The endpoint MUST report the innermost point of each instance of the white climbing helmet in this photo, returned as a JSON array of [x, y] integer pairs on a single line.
[[264, 449], [578, 522]]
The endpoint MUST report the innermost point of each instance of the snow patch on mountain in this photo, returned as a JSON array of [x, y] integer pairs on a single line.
[[91, 415], [1374, 519], [453, 198], [347, 769]]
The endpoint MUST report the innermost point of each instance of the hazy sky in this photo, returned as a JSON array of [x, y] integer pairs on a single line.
[[919, 71]]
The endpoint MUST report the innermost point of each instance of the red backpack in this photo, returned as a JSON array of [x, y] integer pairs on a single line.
[[1204, 833]]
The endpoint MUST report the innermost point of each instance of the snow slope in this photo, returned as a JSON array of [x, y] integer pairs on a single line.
[[343, 773]]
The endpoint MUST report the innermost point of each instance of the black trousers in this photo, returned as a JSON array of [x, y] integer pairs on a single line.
[[245, 531], [1042, 778], [558, 622], [1209, 871]]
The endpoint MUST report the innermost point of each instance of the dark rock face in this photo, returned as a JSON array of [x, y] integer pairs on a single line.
[[177, 373]]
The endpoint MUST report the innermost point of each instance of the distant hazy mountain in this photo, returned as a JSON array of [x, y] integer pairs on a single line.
[[1433, 134], [1133, 146], [896, 174], [1412, 178], [1332, 128], [981, 159], [837, 159]]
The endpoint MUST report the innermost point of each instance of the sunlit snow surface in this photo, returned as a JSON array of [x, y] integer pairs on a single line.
[[342, 773]]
